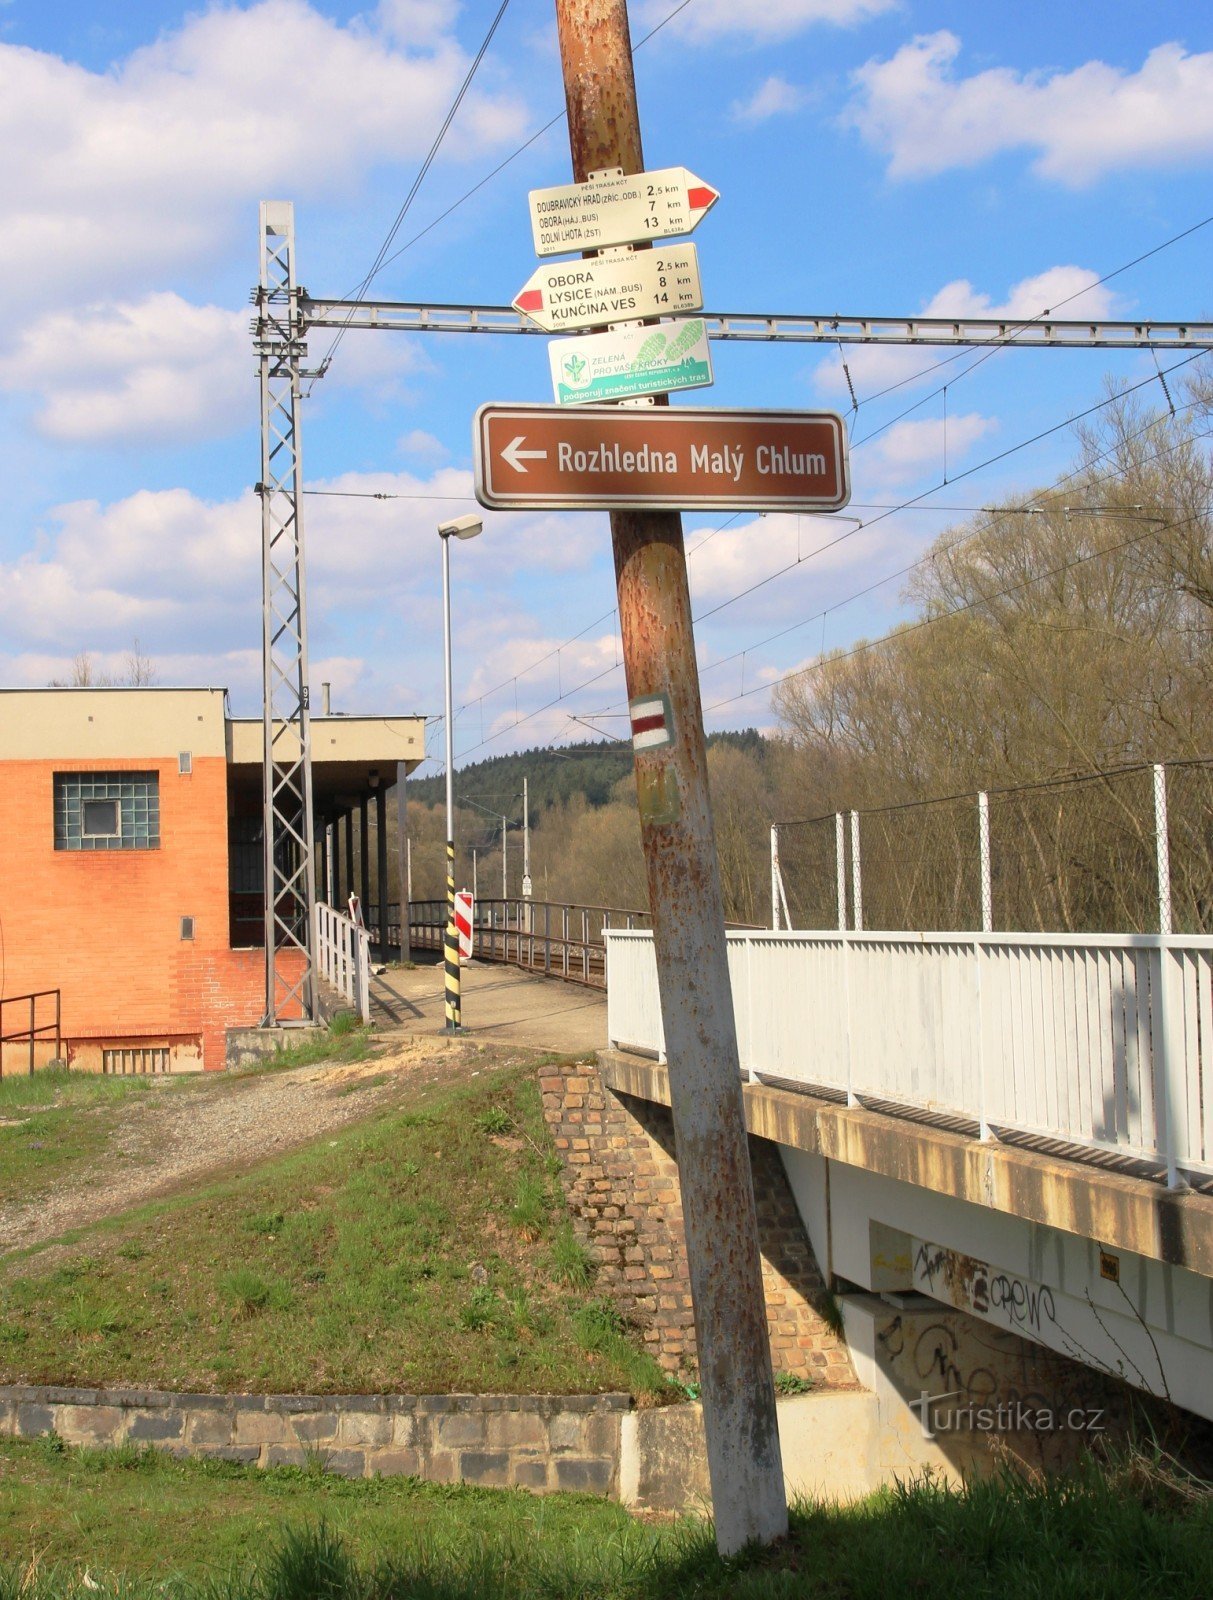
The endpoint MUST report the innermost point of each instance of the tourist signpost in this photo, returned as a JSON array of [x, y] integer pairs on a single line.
[[534, 457], [613, 209], [617, 288]]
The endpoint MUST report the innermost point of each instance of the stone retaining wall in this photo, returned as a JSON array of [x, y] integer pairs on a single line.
[[537, 1442]]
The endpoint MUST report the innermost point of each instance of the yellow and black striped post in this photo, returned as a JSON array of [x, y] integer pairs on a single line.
[[450, 946]]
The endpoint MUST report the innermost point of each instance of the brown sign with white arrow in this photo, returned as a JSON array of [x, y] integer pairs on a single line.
[[534, 457]]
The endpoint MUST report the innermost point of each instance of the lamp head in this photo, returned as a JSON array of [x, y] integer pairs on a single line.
[[462, 528]]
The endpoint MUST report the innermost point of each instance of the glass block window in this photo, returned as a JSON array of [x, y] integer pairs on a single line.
[[107, 811]]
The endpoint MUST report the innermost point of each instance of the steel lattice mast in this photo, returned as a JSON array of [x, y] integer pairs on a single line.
[[287, 769]]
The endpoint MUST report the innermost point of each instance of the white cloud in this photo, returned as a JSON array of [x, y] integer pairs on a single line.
[[159, 368], [706, 20], [1084, 123], [163, 370], [1068, 291], [422, 446], [160, 160], [741, 555], [183, 573], [908, 449], [774, 97]]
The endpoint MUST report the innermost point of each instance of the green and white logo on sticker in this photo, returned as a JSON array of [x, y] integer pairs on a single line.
[[631, 361]]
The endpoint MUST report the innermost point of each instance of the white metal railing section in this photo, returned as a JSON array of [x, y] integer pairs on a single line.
[[1101, 1040], [343, 957]]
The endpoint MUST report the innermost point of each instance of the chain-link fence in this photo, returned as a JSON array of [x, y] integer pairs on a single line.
[[1126, 851]]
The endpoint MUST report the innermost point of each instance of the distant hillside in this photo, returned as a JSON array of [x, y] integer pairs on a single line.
[[591, 769]]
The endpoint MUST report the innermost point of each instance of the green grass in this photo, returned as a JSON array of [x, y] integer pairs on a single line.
[[141, 1524], [414, 1251], [345, 1039], [55, 1123]]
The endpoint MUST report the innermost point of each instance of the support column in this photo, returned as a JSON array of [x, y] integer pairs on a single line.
[[381, 866], [348, 885], [402, 860], [364, 849]]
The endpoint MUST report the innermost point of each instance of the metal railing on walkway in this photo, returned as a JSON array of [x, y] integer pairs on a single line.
[[27, 1005], [343, 957], [1101, 1041], [544, 936]]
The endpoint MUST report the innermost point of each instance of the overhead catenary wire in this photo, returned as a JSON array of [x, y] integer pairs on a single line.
[[378, 263], [513, 156], [766, 686], [955, 611]]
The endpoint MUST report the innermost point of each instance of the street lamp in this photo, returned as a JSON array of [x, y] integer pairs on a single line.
[[459, 528]]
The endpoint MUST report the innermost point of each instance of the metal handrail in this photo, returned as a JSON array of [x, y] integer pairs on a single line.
[[555, 937], [33, 1030], [552, 937]]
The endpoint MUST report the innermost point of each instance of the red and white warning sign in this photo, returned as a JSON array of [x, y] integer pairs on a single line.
[[463, 923], [652, 722]]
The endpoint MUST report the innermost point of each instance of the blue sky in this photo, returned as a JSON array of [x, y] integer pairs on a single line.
[[873, 157]]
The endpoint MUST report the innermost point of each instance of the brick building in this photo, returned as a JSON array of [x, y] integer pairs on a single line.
[[131, 864]]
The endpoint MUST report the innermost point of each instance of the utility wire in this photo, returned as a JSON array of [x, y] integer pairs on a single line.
[[597, 677], [980, 466], [999, 513], [379, 261], [943, 616], [957, 355], [502, 165]]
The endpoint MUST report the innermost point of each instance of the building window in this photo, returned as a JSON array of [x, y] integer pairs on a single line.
[[107, 811]]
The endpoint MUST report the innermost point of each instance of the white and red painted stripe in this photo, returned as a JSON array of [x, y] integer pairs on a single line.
[[463, 923], [652, 724]]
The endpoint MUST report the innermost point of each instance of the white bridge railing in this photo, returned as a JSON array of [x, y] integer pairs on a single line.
[[343, 957], [1104, 1040]]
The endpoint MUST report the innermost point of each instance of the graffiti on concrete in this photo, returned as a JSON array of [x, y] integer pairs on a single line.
[[968, 1284]]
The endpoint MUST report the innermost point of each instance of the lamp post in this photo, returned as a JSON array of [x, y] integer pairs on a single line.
[[461, 528]]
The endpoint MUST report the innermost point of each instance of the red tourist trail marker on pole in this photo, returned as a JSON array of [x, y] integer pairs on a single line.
[[531, 457]]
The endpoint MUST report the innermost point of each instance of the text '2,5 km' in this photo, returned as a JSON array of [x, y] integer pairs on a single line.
[[598, 457]]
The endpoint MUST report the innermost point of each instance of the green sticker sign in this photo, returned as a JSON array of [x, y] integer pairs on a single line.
[[660, 359]]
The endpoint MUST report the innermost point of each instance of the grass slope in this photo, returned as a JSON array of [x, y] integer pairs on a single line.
[[424, 1250], [55, 1122], [139, 1525]]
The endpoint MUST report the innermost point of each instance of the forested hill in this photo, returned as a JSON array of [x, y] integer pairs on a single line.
[[591, 769]]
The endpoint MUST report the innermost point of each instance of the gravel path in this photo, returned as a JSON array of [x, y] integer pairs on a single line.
[[166, 1139]]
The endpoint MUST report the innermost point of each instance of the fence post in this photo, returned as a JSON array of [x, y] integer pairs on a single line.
[[775, 877], [33, 1017], [840, 856], [1162, 846], [987, 886], [547, 938], [982, 1103], [856, 875]]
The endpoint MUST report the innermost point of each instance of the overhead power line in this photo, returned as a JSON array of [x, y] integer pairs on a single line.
[[763, 687], [378, 263]]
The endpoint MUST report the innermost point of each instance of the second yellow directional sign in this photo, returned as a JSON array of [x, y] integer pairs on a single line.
[[624, 288], [531, 457]]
